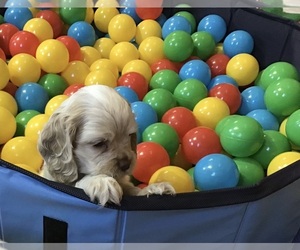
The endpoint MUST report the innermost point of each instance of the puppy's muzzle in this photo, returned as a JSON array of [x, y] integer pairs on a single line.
[[124, 164]]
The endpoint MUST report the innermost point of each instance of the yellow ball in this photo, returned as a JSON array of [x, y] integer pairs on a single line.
[[54, 103], [138, 66], [103, 16], [122, 28], [147, 28], [21, 150], [24, 68], [244, 68], [123, 53], [28, 168], [89, 55], [101, 77], [34, 127], [8, 125], [209, 111], [151, 49], [105, 64], [104, 46], [7, 101], [281, 161], [4, 73], [40, 27], [176, 176], [53, 56], [75, 72], [89, 18], [107, 3], [219, 48]]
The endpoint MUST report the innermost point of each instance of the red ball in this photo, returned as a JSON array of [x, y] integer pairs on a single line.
[[7, 30], [53, 19], [10, 88], [164, 64], [73, 89], [181, 119], [72, 46], [151, 156], [136, 82], [2, 55], [148, 9], [217, 64], [23, 42], [199, 142], [229, 94]]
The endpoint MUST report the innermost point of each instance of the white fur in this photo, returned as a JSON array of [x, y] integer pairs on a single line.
[[93, 135]]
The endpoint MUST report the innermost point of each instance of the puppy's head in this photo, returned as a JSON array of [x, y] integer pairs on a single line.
[[92, 132]]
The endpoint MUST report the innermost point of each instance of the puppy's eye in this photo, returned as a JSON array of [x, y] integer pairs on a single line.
[[101, 144]]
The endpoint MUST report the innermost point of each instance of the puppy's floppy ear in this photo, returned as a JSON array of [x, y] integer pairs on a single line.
[[55, 146], [133, 138]]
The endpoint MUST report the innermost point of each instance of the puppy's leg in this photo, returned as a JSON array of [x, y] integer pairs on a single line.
[[101, 188], [158, 188]]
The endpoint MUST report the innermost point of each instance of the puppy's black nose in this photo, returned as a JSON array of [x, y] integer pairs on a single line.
[[124, 164]]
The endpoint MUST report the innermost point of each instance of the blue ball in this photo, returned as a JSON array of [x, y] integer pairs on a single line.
[[17, 3], [266, 119], [128, 7], [127, 93], [31, 96], [237, 42], [252, 98], [215, 171], [83, 33], [196, 69], [221, 79], [161, 19], [17, 16], [215, 25], [175, 23]]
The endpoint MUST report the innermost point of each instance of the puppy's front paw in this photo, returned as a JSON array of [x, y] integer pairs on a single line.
[[158, 188], [101, 188]]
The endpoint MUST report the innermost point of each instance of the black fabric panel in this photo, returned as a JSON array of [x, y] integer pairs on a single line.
[[55, 231]]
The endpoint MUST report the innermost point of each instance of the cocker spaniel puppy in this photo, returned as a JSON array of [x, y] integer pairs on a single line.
[[90, 142]]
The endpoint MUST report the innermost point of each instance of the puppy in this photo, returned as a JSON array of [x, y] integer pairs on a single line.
[[90, 142]]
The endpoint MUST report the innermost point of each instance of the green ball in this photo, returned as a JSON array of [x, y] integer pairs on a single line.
[[223, 122], [178, 46], [1, 19], [190, 17], [189, 92], [274, 144], [160, 100], [163, 134], [22, 119], [282, 97], [54, 84], [292, 128], [251, 172], [165, 79], [204, 44], [277, 71], [70, 15], [242, 136]]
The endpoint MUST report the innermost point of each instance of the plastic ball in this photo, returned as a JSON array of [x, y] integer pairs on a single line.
[[104, 46], [127, 93], [229, 94], [4, 72], [147, 28], [7, 30], [142, 9], [83, 33], [199, 142], [106, 64], [24, 68], [266, 119], [54, 103], [217, 64], [180, 160], [10, 88], [102, 76], [121, 28], [89, 55], [135, 81], [8, 125], [252, 99], [281, 161], [122, 53], [72, 46], [131, 11], [71, 15], [138, 66], [197, 69], [103, 16], [31, 96], [189, 17], [40, 27], [53, 83], [175, 23], [176, 176], [8, 102], [53, 19], [76, 72], [163, 63], [216, 171], [282, 97], [178, 46], [274, 144], [151, 50], [161, 100], [292, 127], [237, 42], [2, 55], [210, 110], [23, 42], [151, 156], [28, 168], [163, 134], [189, 92], [251, 171], [17, 16], [165, 79], [34, 126], [215, 25], [221, 79], [244, 68], [242, 136], [73, 89], [21, 150], [204, 44], [223, 122], [22, 119]]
